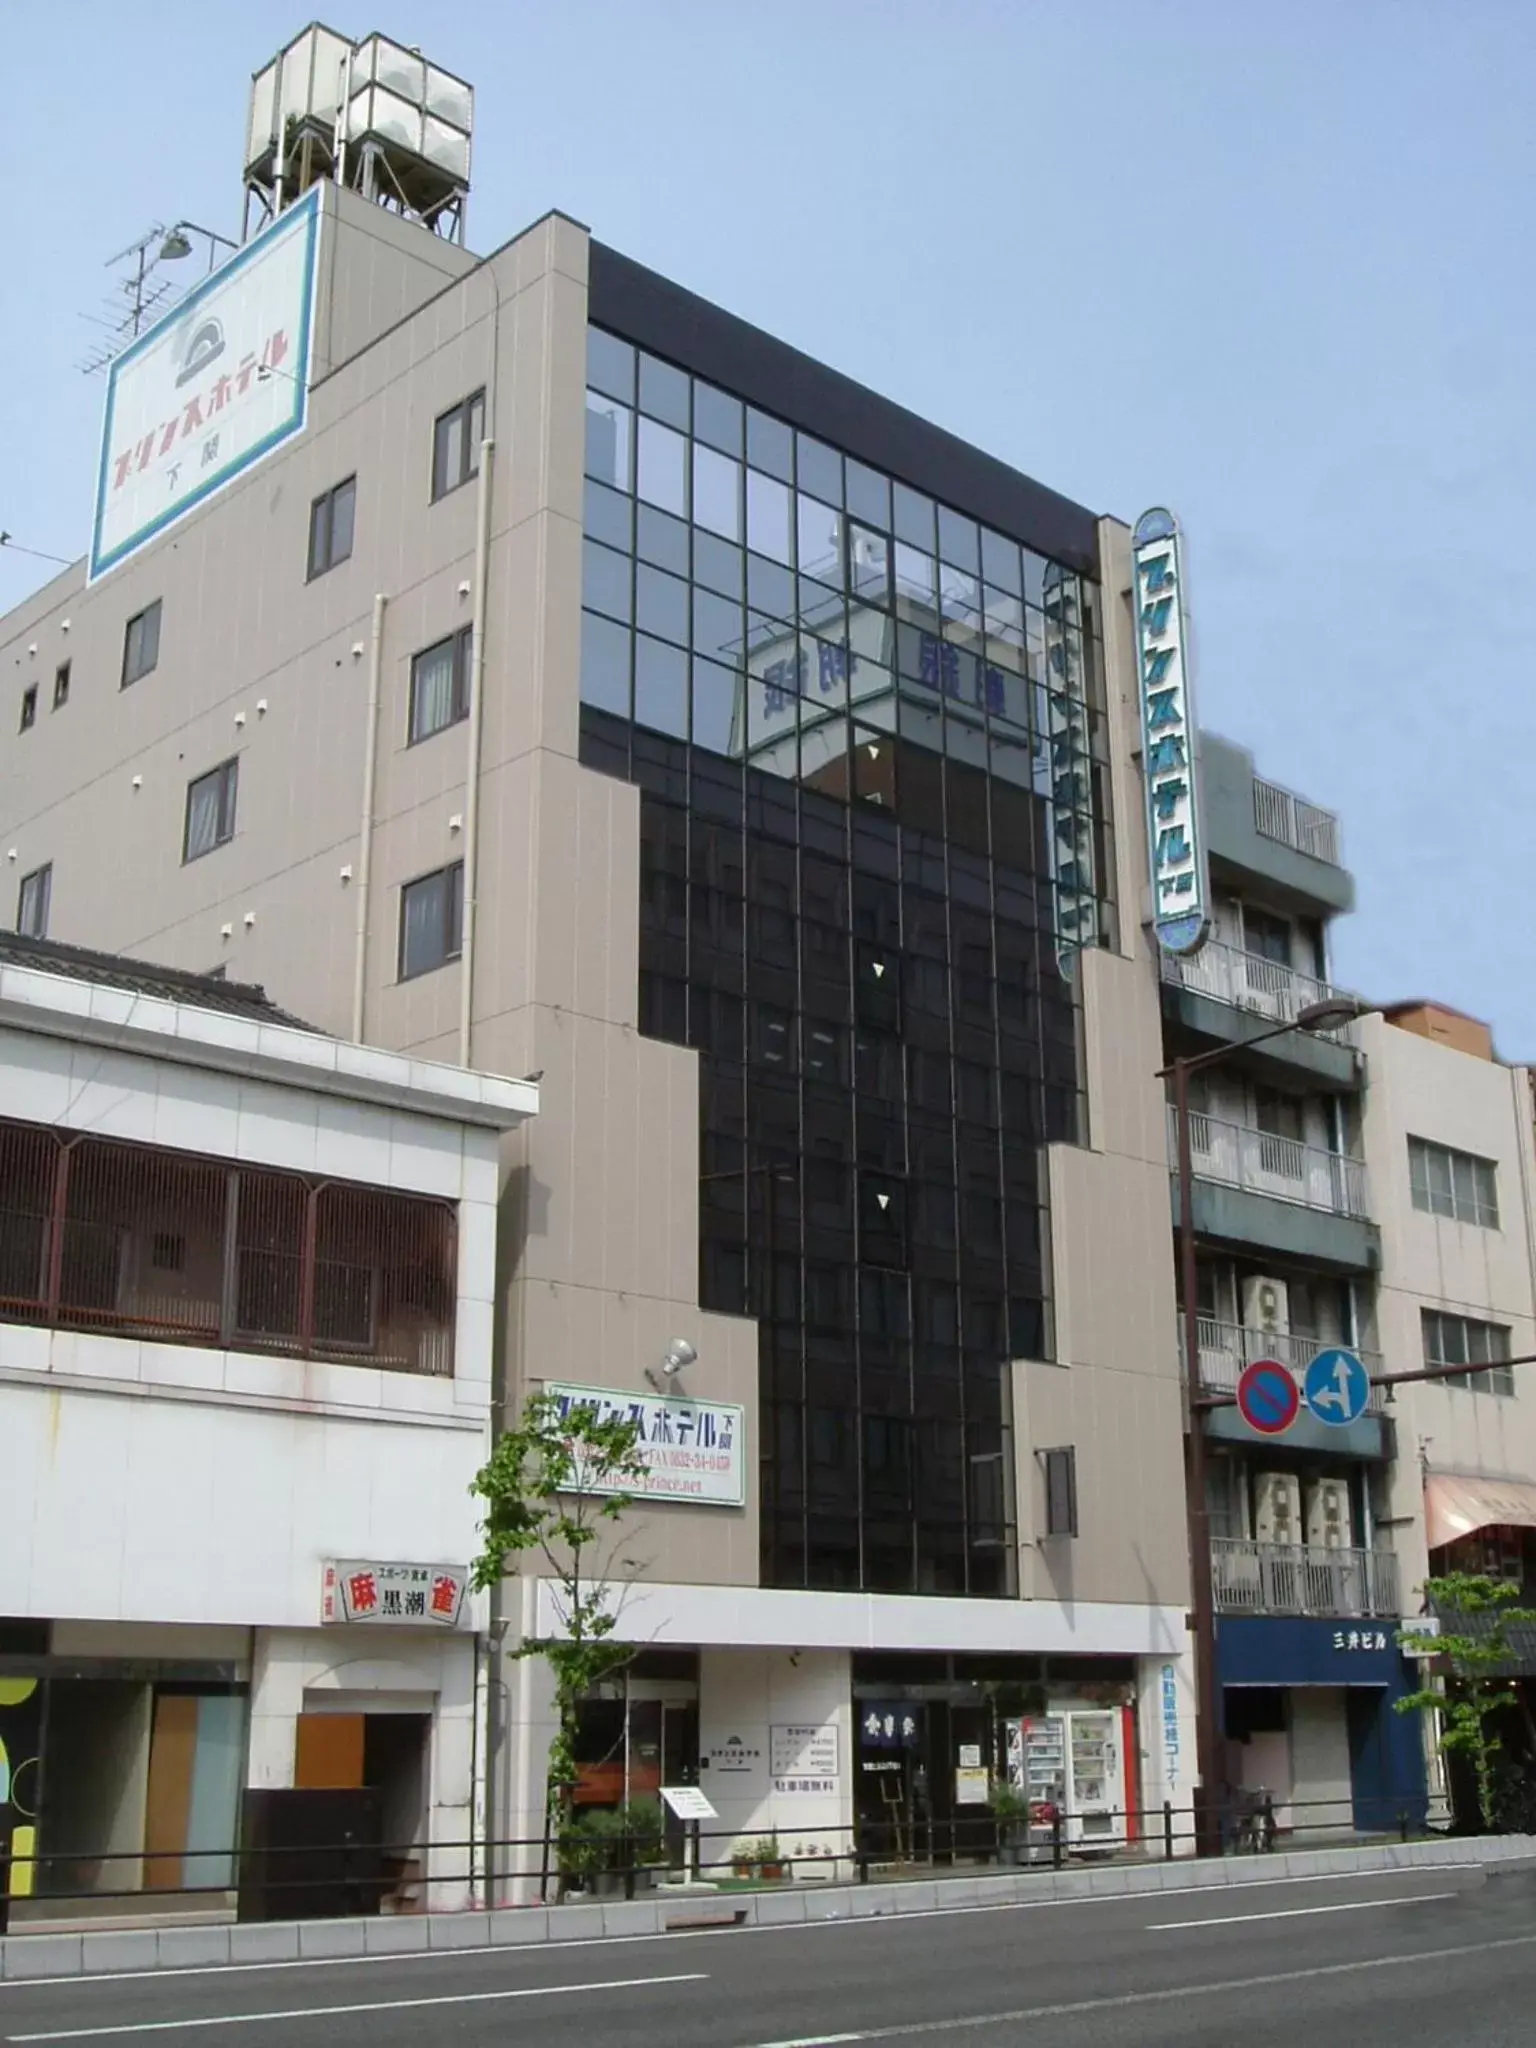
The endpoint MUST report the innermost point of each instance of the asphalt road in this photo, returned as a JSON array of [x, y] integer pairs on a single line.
[[1388, 1961]]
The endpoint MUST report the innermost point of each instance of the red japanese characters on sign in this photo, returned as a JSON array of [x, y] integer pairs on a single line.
[[361, 1590]]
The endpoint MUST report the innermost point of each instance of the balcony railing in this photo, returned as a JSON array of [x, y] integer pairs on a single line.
[[1279, 815], [1249, 981], [1295, 1578], [139, 1241], [1236, 1156], [1225, 1348]]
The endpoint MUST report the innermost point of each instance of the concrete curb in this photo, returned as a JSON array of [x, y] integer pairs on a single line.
[[27, 1957]]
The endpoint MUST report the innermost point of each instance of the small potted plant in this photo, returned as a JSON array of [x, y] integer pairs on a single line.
[[641, 1841], [742, 1859], [768, 1859], [1010, 1812], [582, 1851]]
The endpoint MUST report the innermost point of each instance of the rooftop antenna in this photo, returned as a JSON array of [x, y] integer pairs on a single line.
[[143, 294]]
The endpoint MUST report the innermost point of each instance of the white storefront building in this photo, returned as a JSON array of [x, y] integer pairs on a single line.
[[246, 1303]]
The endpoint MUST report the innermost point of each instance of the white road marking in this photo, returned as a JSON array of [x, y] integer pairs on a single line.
[[906, 2030], [385, 1958], [320, 2012], [814, 2041], [1296, 1912]]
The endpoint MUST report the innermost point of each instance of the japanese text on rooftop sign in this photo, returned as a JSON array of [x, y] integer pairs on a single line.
[[1176, 854], [217, 384], [691, 1450]]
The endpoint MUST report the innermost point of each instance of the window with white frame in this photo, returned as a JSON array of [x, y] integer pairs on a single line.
[[1463, 1340], [1455, 1184]]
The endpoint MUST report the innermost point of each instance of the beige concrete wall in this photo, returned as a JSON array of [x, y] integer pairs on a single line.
[[603, 1192], [1115, 1392], [1422, 1088]]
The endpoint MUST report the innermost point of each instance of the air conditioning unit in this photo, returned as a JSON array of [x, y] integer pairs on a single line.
[[1266, 1306], [1328, 1517], [1277, 1507]]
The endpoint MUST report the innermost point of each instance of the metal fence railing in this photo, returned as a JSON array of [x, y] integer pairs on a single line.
[[1254, 982], [1277, 814], [1264, 1163], [344, 1879], [1249, 1577]]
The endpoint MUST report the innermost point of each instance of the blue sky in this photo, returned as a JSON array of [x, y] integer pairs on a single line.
[[1269, 266]]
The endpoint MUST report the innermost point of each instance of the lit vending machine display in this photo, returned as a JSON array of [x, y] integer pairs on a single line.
[[1072, 1763]]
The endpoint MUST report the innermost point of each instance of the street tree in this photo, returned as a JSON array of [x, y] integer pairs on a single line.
[[1474, 1665]]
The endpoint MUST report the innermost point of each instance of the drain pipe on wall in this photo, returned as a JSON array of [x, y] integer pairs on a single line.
[[365, 834], [472, 769]]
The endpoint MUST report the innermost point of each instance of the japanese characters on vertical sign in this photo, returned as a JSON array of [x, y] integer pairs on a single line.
[[691, 1450], [359, 1589], [1175, 843], [1070, 803], [217, 384], [887, 1724], [1170, 1701]]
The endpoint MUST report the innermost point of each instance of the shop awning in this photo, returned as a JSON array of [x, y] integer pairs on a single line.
[[1456, 1506]]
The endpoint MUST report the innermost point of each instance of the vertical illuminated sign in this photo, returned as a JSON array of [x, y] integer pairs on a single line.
[[1070, 805], [1175, 840]]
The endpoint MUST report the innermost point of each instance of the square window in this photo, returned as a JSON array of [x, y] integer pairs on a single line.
[[611, 365], [664, 392], [141, 643], [605, 664], [440, 681], [661, 687], [661, 604], [210, 819], [605, 581], [61, 685], [661, 470], [431, 921], [456, 438], [28, 707], [717, 418], [819, 469], [610, 442], [770, 446], [331, 519], [607, 516], [716, 492], [32, 902]]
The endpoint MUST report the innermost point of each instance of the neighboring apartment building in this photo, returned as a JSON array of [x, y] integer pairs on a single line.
[[596, 686], [246, 1284], [1448, 1128], [1307, 1581]]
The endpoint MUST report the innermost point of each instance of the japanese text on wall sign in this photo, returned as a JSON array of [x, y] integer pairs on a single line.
[[888, 1727], [362, 1590], [1360, 1639], [1170, 1692], [691, 1450], [1175, 855], [204, 409]]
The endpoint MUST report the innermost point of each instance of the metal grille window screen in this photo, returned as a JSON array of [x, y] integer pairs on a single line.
[[130, 1239], [1060, 1491]]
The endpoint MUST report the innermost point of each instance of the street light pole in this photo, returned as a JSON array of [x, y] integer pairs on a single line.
[[1209, 1758]]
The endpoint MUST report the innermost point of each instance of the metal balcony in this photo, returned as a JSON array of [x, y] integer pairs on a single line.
[[1259, 1162], [1225, 1348], [1277, 814], [1294, 1578], [1249, 981]]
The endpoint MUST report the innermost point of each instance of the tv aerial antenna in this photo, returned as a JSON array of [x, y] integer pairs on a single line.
[[144, 291]]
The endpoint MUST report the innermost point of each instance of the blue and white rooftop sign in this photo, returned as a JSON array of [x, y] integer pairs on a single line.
[[1175, 841], [217, 384]]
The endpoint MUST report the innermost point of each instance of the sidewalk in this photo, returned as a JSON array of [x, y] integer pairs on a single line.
[[172, 1948]]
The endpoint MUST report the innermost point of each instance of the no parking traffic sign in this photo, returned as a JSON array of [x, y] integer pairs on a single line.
[[1267, 1397]]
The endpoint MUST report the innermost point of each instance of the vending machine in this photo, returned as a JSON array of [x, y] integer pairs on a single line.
[[1072, 1761]]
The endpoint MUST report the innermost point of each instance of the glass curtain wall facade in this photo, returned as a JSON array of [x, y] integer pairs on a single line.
[[868, 741]]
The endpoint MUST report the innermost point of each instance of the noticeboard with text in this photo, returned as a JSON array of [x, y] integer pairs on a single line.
[[1169, 737], [691, 1450], [216, 385], [358, 1589]]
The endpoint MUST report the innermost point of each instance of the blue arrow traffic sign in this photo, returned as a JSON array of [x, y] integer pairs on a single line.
[[1337, 1387], [1267, 1398]]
